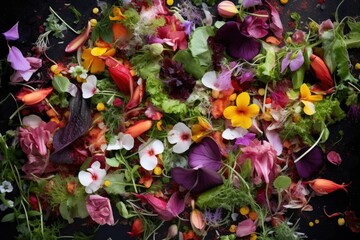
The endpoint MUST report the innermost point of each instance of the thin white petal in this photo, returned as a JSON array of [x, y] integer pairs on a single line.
[[149, 163], [209, 79], [85, 178], [88, 90]]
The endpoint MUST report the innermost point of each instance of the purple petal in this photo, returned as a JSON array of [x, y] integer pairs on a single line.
[[12, 33], [205, 154], [17, 60], [184, 177], [311, 163], [237, 45], [247, 76], [251, 3], [256, 26], [224, 80], [246, 140], [175, 205], [285, 62], [275, 25], [297, 62]]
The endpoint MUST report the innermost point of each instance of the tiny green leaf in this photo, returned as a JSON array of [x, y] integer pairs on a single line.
[[112, 162], [61, 83], [282, 182], [8, 217]]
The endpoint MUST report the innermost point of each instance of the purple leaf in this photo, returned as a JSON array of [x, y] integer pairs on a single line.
[[12, 33], [237, 44], [196, 180], [205, 154], [17, 60], [311, 163], [78, 124]]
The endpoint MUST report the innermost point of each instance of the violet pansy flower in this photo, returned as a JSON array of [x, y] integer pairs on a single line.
[[293, 60], [237, 44], [205, 160], [12, 33]]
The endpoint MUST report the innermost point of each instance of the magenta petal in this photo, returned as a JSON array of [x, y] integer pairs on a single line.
[[275, 25], [12, 33], [297, 62], [159, 205], [205, 154], [245, 228], [176, 204], [311, 163], [17, 60], [334, 158]]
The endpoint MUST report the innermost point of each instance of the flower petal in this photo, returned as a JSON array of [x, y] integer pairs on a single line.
[[241, 120], [158, 146], [148, 162], [243, 100], [252, 110], [205, 154], [85, 178], [209, 79], [127, 141], [245, 228], [297, 62], [309, 108], [17, 60], [12, 33], [98, 51], [311, 163], [285, 62], [304, 92], [231, 134]]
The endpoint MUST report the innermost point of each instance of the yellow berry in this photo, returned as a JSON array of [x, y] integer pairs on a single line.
[[317, 221], [357, 66], [95, 10], [253, 236], [107, 183], [100, 107], [244, 210], [93, 22], [232, 228], [159, 125], [311, 224], [341, 221], [261, 91], [170, 2], [157, 170], [283, 1], [232, 97]]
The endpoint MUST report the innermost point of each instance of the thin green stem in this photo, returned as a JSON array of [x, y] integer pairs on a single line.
[[63, 21], [316, 143]]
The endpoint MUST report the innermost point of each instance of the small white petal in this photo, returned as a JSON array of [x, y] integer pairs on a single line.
[[231, 134], [88, 90], [148, 163], [85, 178], [209, 79], [157, 146], [127, 141], [114, 144], [182, 146], [173, 136], [96, 165]]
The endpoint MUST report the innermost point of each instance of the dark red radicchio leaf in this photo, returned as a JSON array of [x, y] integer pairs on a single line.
[[78, 124], [196, 180], [205, 154], [311, 163]]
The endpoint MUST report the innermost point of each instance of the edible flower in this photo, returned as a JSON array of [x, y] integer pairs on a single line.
[[117, 14], [17, 60], [325, 186], [92, 59], [29, 97], [227, 9], [148, 152], [100, 210], [200, 129], [12, 33], [121, 141], [294, 60], [92, 178], [245, 227], [307, 99], [180, 135], [89, 87], [241, 114]]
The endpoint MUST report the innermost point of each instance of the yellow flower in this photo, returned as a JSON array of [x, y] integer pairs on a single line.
[[307, 99], [92, 61], [241, 114], [200, 130], [117, 14]]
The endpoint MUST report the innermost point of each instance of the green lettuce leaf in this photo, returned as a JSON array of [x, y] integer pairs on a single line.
[[199, 47]]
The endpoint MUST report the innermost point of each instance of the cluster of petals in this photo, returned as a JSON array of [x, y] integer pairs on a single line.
[[180, 135], [148, 153], [92, 178]]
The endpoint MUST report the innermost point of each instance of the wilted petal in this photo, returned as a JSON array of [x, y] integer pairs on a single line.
[[274, 139], [334, 158], [32, 121], [311, 163], [245, 228], [12, 33], [176, 204], [17, 60]]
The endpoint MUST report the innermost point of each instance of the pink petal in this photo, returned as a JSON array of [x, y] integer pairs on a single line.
[[274, 139], [245, 228], [334, 158]]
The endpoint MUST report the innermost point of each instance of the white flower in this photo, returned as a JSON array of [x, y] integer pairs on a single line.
[[6, 187], [10, 204], [121, 141], [233, 133], [210, 79], [180, 135], [148, 152], [93, 178], [89, 87], [78, 71]]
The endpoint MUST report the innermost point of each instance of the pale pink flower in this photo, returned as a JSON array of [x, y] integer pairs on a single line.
[[99, 209], [262, 155], [148, 152], [89, 87], [245, 228], [180, 135], [93, 178]]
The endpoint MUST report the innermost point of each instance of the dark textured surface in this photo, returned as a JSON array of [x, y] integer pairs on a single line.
[[32, 14]]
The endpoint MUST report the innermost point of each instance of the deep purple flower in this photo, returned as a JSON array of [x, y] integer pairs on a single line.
[[251, 3], [256, 26], [17, 60], [311, 163], [12, 33], [205, 160], [237, 44], [294, 60]]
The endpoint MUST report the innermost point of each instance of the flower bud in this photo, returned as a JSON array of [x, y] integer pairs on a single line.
[[172, 231], [227, 9]]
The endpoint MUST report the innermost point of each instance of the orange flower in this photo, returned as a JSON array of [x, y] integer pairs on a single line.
[[324, 186], [117, 14], [29, 97], [241, 114], [307, 99], [92, 58], [201, 129]]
